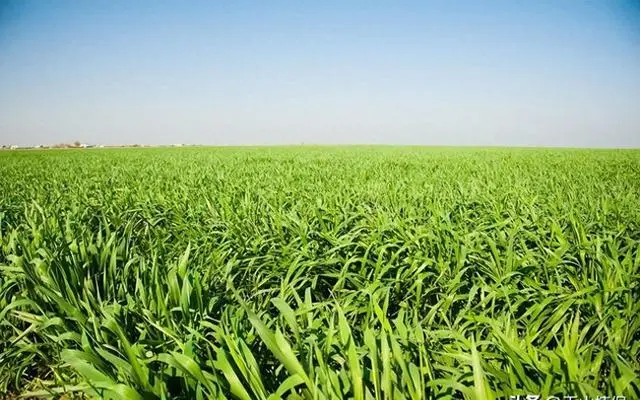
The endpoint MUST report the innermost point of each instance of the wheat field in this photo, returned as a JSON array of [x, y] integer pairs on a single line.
[[319, 273]]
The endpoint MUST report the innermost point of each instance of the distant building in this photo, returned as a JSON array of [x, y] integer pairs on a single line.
[[13, 147]]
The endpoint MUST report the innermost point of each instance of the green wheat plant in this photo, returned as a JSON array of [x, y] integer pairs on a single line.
[[319, 273]]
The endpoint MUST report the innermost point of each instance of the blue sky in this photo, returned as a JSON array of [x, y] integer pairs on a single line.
[[545, 73]]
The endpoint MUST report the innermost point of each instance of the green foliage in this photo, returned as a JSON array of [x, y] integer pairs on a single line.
[[320, 273]]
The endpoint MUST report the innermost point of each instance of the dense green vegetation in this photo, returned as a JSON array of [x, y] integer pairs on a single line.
[[320, 273]]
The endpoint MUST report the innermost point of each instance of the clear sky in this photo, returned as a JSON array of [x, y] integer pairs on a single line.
[[553, 73]]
